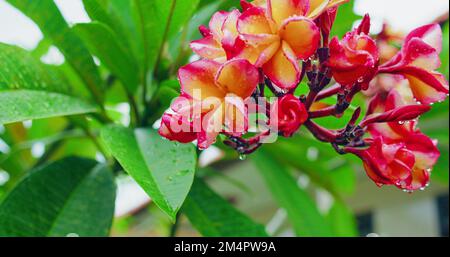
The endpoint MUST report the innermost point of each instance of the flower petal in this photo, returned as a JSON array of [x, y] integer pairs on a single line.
[[279, 10], [420, 179], [283, 68], [207, 48], [236, 119], [260, 54], [238, 77], [427, 87], [317, 7], [212, 124], [255, 28], [431, 34], [216, 24], [176, 128], [197, 79], [424, 149], [420, 54], [302, 35], [229, 27]]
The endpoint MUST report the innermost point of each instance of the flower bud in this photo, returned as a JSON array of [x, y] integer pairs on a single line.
[[291, 114], [354, 59]]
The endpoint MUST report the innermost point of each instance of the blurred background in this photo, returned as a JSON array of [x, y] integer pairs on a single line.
[[343, 193]]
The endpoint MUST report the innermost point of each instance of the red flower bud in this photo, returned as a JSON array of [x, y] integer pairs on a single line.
[[355, 58], [291, 114], [392, 108]]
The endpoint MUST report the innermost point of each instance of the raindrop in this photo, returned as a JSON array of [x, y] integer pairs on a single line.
[[242, 157], [401, 122]]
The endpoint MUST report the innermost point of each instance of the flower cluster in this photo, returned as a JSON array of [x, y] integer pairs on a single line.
[[252, 61]]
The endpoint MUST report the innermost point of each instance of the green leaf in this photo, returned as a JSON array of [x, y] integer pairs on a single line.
[[445, 51], [72, 195], [342, 220], [213, 216], [165, 170], [300, 208], [117, 15], [159, 20], [31, 90], [326, 169], [20, 105], [344, 19], [105, 44], [434, 124], [46, 15]]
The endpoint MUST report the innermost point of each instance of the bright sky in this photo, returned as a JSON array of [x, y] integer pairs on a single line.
[[17, 29]]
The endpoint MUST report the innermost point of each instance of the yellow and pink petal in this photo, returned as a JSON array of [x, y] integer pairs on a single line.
[[197, 80], [283, 69], [302, 35], [238, 77], [208, 48], [280, 10]]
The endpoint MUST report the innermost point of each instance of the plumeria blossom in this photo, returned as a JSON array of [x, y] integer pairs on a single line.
[[253, 60], [417, 61], [355, 58], [220, 40], [279, 33], [399, 153], [291, 114], [212, 100], [405, 164]]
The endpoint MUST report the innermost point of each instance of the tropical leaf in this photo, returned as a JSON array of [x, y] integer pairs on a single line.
[[300, 208], [213, 216], [52, 24], [31, 90], [70, 196], [165, 170]]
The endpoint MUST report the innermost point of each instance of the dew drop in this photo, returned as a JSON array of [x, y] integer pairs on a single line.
[[242, 157], [401, 122]]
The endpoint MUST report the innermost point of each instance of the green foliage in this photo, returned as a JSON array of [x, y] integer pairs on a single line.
[[107, 46], [345, 19], [30, 90], [445, 51], [47, 16], [70, 196], [165, 170], [341, 220], [300, 208], [213, 216]]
